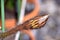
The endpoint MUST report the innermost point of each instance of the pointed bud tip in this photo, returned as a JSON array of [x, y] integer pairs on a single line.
[[46, 16], [43, 18]]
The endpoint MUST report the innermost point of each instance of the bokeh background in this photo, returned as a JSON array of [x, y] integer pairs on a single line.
[[51, 31]]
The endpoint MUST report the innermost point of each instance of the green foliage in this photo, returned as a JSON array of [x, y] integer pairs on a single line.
[[10, 4]]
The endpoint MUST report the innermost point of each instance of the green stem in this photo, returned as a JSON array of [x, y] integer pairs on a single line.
[[2, 15], [19, 2]]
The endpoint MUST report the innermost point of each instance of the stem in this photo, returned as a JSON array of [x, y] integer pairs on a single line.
[[2, 15]]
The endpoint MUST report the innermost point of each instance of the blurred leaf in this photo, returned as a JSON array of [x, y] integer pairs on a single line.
[[10, 5]]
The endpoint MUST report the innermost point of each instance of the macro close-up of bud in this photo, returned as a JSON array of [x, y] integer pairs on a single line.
[[29, 19]]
